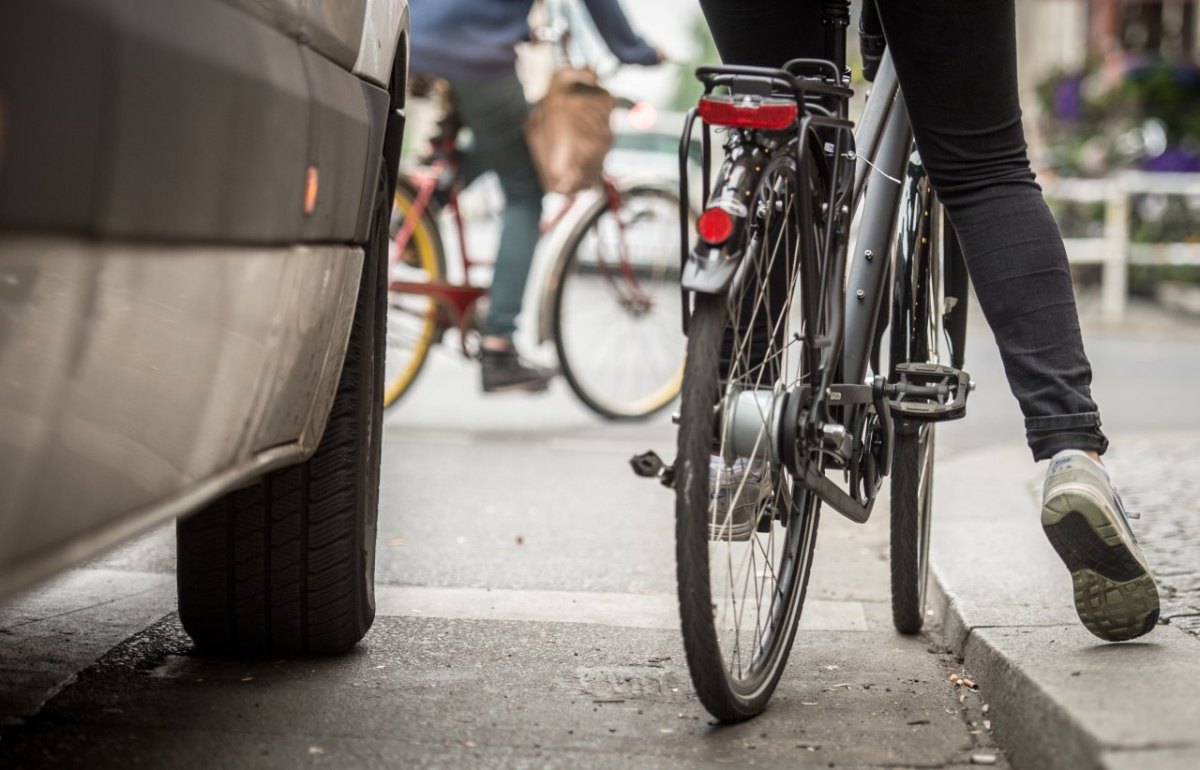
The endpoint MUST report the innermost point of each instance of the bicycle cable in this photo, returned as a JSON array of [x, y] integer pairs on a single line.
[[877, 169]]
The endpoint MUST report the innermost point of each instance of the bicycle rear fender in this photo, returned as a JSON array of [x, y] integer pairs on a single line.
[[711, 268]]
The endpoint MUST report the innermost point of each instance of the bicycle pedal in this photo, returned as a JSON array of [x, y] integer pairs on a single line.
[[929, 392], [649, 465]]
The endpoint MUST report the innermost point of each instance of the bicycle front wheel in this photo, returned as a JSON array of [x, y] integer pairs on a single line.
[[412, 319], [617, 325], [916, 332], [745, 530], [912, 503]]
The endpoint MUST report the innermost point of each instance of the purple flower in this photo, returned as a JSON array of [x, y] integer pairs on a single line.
[[1174, 159], [1068, 99]]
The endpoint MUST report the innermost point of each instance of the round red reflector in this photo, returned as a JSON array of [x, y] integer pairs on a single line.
[[715, 226]]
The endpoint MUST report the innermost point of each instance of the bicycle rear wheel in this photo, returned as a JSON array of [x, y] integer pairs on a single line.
[[616, 312], [741, 589], [412, 322], [916, 332]]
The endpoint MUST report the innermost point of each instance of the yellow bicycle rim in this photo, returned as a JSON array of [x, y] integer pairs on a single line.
[[422, 244]]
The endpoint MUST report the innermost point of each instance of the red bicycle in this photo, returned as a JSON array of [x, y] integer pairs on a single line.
[[611, 302]]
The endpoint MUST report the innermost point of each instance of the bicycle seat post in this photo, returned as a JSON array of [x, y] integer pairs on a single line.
[[835, 17]]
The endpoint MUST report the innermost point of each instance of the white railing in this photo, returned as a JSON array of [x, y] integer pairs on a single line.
[[1112, 250]]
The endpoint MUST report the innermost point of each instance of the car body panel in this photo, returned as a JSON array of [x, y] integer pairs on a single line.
[[130, 373], [172, 321], [197, 123], [333, 28], [358, 35], [339, 131], [381, 48]]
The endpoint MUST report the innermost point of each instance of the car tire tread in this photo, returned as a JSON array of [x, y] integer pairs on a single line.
[[285, 565]]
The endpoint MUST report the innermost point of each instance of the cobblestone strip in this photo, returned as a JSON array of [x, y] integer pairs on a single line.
[[1161, 480]]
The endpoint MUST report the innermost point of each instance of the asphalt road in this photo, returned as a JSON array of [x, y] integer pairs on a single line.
[[526, 614]]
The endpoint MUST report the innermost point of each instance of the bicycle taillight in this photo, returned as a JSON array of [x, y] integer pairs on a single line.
[[748, 111], [715, 226]]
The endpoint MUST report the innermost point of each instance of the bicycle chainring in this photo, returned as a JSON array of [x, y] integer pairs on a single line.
[[867, 463]]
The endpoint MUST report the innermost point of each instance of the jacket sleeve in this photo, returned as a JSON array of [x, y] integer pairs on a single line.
[[620, 38]]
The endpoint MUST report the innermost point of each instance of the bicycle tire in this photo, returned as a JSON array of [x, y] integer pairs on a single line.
[[637, 330], [916, 332], [732, 685], [912, 504], [424, 260]]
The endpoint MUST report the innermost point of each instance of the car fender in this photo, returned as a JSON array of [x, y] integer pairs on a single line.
[[380, 51]]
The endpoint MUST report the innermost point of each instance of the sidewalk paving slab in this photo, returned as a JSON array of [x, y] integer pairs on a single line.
[[1061, 698]]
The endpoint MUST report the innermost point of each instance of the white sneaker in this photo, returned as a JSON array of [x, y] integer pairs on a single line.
[[1082, 514]]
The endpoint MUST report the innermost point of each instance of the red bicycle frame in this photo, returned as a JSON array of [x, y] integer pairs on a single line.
[[456, 301]]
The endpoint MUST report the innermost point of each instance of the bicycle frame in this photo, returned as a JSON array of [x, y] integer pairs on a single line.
[[456, 301], [886, 142], [881, 152]]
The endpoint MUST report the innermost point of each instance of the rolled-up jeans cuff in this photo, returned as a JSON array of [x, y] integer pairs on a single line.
[[1050, 435]]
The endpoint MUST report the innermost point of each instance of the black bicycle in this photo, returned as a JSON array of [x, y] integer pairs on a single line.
[[785, 388]]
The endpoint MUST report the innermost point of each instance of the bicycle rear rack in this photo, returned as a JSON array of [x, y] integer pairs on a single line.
[[816, 86]]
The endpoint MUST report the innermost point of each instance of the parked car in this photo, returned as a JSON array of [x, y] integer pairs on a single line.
[[194, 202]]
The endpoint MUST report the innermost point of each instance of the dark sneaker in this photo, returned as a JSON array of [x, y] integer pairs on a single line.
[[504, 371], [1083, 516]]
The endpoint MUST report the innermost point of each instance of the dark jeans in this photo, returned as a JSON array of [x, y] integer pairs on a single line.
[[956, 60], [495, 111]]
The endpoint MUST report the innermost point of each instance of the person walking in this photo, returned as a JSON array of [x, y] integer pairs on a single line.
[[471, 44], [956, 62]]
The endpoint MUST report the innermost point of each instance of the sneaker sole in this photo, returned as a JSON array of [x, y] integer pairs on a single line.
[[524, 387], [717, 534], [735, 530], [1115, 597]]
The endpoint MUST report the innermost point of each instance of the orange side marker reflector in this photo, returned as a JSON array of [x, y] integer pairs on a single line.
[[310, 190]]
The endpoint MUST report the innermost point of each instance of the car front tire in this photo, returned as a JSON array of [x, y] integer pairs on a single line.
[[286, 566]]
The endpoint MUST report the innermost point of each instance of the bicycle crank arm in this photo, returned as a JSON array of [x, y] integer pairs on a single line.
[[840, 500]]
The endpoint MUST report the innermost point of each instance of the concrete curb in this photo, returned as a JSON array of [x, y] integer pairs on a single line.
[[1060, 697]]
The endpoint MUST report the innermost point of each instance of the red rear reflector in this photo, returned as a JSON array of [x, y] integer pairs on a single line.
[[743, 112], [715, 226]]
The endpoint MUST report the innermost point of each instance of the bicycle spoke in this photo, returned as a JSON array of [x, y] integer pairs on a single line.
[[751, 586], [759, 537]]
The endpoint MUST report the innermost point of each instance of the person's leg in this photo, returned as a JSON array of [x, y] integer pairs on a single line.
[[765, 33], [957, 67], [495, 111]]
